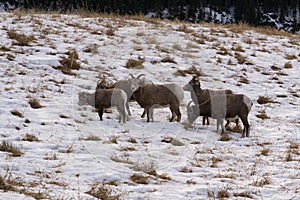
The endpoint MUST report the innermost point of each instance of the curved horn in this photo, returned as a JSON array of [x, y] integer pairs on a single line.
[[189, 104], [140, 75], [131, 75]]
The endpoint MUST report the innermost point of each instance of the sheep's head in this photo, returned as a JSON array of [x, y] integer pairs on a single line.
[[192, 112], [137, 82], [101, 84], [195, 82]]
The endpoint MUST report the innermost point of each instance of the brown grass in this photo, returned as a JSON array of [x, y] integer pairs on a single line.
[[101, 190], [265, 100], [240, 58], [168, 59], [134, 64], [288, 65], [262, 115], [16, 113], [9, 147], [139, 179], [192, 71], [21, 39], [34, 103], [224, 137], [30, 138], [290, 57]]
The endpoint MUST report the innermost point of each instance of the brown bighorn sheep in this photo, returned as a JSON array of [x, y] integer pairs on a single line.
[[223, 106], [154, 96], [105, 98], [199, 95]]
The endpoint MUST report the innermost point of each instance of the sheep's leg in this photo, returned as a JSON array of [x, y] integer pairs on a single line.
[[127, 108], [246, 126], [151, 111], [100, 113], [222, 126], [177, 111], [237, 121], [144, 113], [173, 114], [148, 114], [205, 118], [227, 123]]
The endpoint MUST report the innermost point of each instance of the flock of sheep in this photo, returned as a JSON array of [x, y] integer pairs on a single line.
[[217, 104]]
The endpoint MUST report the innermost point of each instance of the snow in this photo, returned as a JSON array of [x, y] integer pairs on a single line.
[[64, 163]]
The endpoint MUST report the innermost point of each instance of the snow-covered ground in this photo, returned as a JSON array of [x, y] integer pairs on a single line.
[[74, 151]]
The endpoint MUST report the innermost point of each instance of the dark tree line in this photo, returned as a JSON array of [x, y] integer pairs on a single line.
[[254, 12]]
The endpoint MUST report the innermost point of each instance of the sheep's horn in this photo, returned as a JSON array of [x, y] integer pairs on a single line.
[[189, 104], [140, 75], [131, 75]]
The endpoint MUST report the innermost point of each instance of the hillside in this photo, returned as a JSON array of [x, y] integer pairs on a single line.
[[52, 148]]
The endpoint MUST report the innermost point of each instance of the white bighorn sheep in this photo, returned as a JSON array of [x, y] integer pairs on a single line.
[[105, 98], [126, 86], [223, 106], [200, 95]]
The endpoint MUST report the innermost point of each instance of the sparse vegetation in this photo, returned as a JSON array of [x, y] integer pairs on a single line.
[[168, 59], [288, 65], [9, 147], [265, 100], [30, 138], [34, 103], [135, 64], [139, 179], [262, 114], [240, 58], [192, 71], [69, 63], [101, 190], [21, 39], [17, 113]]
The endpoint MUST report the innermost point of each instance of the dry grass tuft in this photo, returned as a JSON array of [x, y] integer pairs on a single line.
[[8, 147], [168, 59], [34, 103], [275, 68], [288, 65], [244, 80], [30, 138], [265, 100], [240, 58], [69, 63], [16, 113], [245, 194], [135, 64], [192, 71], [184, 28], [262, 182], [290, 57], [262, 115], [224, 137], [21, 39], [101, 190], [139, 179]]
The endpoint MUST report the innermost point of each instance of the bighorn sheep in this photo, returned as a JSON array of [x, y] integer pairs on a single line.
[[223, 106], [199, 95], [126, 86], [155, 96], [105, 98]]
